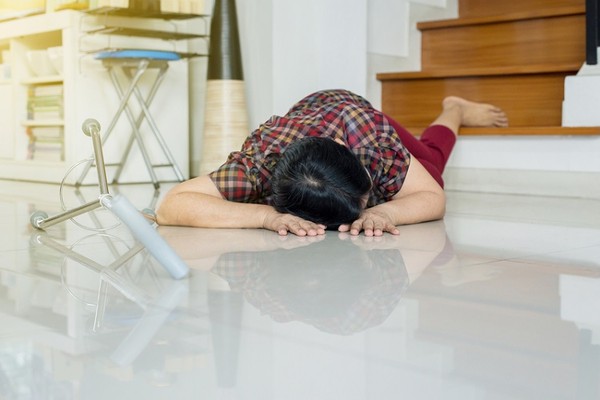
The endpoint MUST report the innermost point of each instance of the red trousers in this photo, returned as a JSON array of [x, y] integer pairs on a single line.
[[432, 148]]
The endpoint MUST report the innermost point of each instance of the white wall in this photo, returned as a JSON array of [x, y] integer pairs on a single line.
[[291, 48], [255, 19]]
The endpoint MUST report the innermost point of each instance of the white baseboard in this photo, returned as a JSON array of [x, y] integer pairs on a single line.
[[534, 183]]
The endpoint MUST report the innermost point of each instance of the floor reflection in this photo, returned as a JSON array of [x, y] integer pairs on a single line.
[[473, 307], [337, 287]]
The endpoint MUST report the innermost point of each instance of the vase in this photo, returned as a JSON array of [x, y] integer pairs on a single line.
[[226, 116]]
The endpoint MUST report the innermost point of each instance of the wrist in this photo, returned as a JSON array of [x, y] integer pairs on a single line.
[[266, 216]]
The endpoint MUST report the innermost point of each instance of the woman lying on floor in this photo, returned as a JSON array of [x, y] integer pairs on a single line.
[[331, 162]]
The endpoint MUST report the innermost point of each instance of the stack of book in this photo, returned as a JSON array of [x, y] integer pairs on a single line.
[[46, 143], [45, 103], [45, 122]]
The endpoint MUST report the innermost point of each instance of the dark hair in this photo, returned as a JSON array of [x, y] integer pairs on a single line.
[[321, 181]]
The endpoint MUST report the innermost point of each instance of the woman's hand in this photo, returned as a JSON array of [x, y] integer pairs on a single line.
[[420, 199], [284, 223], [374, 222]]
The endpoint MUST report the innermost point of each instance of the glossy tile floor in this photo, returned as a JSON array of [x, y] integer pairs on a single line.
[[501, 300]]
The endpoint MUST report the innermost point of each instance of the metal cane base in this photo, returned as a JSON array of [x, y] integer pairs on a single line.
[[121, 208]]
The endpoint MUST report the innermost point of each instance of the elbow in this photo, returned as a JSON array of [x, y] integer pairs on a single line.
[[161, 216], [441, 205], [164, 213], [441, 213], [436, 208]]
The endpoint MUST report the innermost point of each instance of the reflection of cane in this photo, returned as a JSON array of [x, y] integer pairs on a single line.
[[226, 120], [225, 312], [157, 313]]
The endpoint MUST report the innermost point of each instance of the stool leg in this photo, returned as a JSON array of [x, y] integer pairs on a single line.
[[138, 124], [143, 65], [156, 131], [137, 136]]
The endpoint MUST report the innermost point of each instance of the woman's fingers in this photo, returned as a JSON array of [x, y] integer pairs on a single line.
[[287, 223], [373, 224]]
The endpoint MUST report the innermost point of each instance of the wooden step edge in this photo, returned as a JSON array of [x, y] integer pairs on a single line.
[[496, 19], [532, 131], [523, 131], [477, 72]]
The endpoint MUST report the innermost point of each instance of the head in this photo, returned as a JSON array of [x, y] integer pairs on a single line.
[[322, 181]]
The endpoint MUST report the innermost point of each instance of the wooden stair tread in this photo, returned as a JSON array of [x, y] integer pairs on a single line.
[[473, 72], [524, 131], [520, 16]]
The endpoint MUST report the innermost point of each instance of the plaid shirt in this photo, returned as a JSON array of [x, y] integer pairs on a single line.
[[337, 114]]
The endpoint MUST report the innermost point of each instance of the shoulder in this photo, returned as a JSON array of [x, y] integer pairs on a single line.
[[331, 97]]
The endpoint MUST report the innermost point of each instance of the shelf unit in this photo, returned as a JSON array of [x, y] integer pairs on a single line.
[[17, 38], [87, 91]]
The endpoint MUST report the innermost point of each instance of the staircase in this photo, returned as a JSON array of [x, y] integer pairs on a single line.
[[514, 54]]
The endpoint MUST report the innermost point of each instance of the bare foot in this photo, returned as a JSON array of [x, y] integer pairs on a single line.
[[476, 114]]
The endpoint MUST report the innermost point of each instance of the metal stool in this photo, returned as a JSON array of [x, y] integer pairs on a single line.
[[133, 64]]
